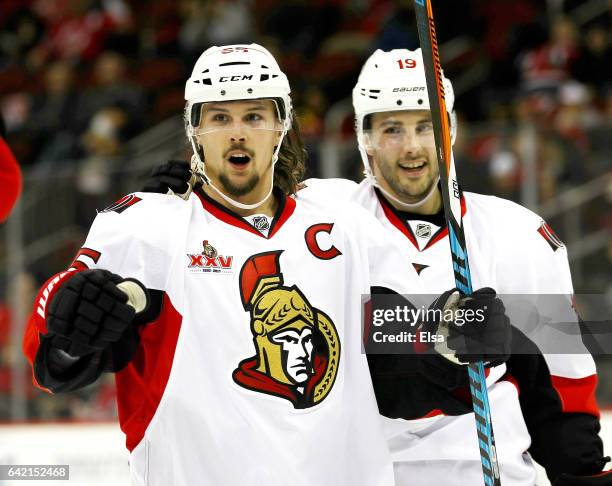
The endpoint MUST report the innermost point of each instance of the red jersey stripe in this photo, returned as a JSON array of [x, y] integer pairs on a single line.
[[141, 384]]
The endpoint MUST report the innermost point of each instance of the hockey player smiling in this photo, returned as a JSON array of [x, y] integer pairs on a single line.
[[515, 252], [403, 145]]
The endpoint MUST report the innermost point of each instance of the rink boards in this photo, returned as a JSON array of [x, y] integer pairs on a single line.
[[96, 452]]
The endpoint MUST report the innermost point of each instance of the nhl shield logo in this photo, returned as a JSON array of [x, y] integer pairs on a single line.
[[423, 230], [261, 223]]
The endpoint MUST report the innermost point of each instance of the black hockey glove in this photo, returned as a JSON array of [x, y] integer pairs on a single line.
[[90, 313], [482, 333], [174, 175], [601, 479], [475, 328]]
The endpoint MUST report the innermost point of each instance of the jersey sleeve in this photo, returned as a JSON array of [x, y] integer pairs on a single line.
[[556, 390], [124, 239], [129, 243]]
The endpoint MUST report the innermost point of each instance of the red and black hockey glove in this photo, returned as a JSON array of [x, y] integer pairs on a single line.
[[174, 175], [601, 479], [90, 313]]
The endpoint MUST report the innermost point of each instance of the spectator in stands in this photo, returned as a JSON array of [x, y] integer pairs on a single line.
[[214, 23], [229, 21], [311, 107], [576, 115], [504, 174], [52, 123], [112, 87], [500, 21], [77, 29], [104, 152], [594, 64], [547, 66], [193, 37], [20, 31]]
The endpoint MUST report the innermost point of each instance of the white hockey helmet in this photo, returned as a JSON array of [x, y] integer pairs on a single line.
[[236, 72], [390, 81], [232, 73]]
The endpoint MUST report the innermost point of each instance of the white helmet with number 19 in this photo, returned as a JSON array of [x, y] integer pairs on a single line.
[[392, 81], [232, 73]]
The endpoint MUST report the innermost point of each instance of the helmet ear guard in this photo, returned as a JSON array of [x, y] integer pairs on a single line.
[[195, 114]]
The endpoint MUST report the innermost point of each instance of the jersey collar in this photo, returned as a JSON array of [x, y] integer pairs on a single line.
[[286, 206], [399, 219]]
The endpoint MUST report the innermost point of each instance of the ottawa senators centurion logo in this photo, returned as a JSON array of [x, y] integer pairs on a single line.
[[297, 350]]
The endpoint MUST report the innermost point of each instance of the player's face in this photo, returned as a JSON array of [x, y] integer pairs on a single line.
[[297, 353], [403, 151], [239, 139]]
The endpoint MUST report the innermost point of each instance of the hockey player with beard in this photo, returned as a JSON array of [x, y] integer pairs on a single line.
[[543, 405], [230, 318]]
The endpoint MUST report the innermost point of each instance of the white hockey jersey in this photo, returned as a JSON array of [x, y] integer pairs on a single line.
[[253, 371], [513, 251]]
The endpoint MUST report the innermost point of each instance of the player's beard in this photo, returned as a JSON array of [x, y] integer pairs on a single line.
[[238, 190], [411, 192]]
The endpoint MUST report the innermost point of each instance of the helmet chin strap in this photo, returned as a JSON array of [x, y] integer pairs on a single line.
[[242, 205], [372, 179], [200, 167]]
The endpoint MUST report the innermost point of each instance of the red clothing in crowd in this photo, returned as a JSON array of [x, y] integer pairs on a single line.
[[10, 180]]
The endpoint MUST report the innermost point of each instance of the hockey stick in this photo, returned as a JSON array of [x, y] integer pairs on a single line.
[[452, 212]]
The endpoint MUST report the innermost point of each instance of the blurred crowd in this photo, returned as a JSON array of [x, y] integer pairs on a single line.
[[79, 79]]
